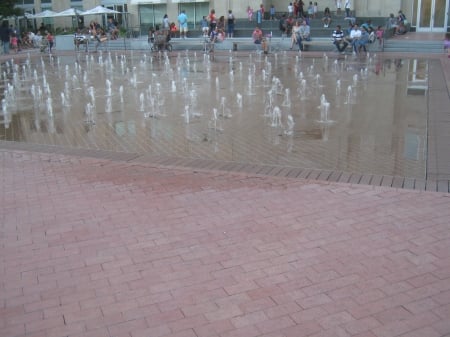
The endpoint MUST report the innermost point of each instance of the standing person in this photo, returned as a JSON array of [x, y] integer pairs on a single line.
[[250, 13], [379, 33], [50, 40], [316, 9], [272, 12], [212, 20], [447, 44], [347, 6], [165, 27], [230, 23], [301, 10], [5, 34], [263, 10], [182, 20], [14, 42], [296, 8], [338, 7], [205, 26], [310, 10], [290, 9], [258, 17], [338, 39]]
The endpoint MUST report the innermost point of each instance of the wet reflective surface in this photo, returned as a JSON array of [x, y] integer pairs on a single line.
[[364, 115]]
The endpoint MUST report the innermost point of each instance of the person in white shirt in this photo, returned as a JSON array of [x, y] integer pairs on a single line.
[[338, 7], [355, 35], [347, 7], [290, 9]]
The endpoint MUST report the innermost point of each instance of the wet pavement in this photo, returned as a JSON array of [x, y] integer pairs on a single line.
[[377, 128], [107, 230]]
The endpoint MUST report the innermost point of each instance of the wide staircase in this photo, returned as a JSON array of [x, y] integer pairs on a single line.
[[413, 46], [244, 28]]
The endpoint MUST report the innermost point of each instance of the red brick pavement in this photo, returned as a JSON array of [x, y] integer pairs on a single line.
[[93, 247]]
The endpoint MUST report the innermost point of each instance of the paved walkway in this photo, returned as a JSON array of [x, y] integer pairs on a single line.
[[95, 247], [105, 247]]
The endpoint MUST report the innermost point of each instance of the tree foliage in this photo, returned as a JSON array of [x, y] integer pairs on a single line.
[[9, 8]]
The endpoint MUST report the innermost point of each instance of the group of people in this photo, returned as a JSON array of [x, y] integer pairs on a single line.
[[398, 23], [12, 39], [357, 36], [213, 28], [97, 33], [300, 32]]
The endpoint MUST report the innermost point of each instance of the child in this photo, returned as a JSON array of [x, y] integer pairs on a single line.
[[14, 42], [315, 9], [250, 13], [173, 30], [447, 44], [379, 34], [50, 41]]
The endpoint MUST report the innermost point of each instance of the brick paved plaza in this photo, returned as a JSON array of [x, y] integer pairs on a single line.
[[98, 243]]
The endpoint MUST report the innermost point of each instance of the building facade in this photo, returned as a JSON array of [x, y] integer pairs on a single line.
[[424, 15]]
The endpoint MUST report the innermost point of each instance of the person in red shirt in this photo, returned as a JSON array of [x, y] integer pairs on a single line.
[[212, 20], [50, 40]]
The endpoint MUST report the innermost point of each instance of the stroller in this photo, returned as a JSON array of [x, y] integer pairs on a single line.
[[161, 42]]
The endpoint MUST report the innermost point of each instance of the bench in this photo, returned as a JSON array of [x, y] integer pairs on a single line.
[[326, 43], [249, 44], [245, 45], [323, 43]]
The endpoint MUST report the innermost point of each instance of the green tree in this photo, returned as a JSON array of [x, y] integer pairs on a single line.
[[8, 8]]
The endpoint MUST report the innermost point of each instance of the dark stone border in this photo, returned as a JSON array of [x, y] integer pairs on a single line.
[[268, 170]]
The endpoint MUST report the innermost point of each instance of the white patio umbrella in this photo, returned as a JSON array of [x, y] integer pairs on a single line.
[[69, 12], [100, 10], [45, 14]]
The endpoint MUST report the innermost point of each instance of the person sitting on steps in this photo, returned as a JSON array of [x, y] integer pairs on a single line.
[[326, 18], [295, 34], [257, 35], [304, 34], [338, 39]]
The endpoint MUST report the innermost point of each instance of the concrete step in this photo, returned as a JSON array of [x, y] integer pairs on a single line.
[[276, 43], [407, 46]]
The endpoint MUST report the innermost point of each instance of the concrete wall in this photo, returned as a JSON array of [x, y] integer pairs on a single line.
[[363, 8]]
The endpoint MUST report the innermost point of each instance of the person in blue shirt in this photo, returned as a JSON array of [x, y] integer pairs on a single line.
[[182, 20], [5, 35], [272, 12], [205, 26]]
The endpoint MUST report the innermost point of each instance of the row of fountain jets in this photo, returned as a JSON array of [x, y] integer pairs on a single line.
[[153, 98]]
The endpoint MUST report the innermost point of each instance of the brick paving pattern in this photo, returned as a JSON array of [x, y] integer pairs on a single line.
[[107, 244], [101, 247]]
